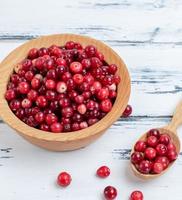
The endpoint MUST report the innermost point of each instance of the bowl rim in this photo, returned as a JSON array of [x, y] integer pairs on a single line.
[[10, 118]]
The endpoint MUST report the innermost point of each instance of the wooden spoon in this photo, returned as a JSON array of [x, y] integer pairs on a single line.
[[170, 129]]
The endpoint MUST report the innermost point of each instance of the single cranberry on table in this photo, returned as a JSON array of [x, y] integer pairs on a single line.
[[136, 195], [103, 172], [64, 179], [110, 193], [127, 112]]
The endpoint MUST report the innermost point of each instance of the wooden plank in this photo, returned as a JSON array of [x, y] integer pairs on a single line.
[[124, 21], [23, 164], [155, 73]]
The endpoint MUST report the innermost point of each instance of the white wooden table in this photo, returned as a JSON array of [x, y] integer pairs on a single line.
[[148, 35]]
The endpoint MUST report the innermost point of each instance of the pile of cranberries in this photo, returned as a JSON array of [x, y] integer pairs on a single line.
[[62, 88], [154, 155], [110, 193]]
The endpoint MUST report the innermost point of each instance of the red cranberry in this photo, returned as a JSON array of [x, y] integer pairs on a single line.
[[57, 52], [78, 46], [112, 69], [82, 109], [49, 64], [127, 112], [161, 149], [86, 63], [39, 117], [75, 126], [67, 127], [77, 117], [92, 121], [145, 167], [35, 110], [70, 45], [164, 139], [157, 167], [110, 193], [116, 79], [136, 157], [15, 104], [39, 76], [23, 87], [50, 95], [20, 113], [107, 80], [51, 118], [103, 93], [35, 83], [103, 172], [56, 127], [106, 105], [66, 76], [64, 102], [95, 62], [78, 79], [154, 132], [41, 101], [50, 84], [140, 146], [61, 62], [83, 125], [61, 87], [26, 103], [10, 94], [39, 63], [44, 127], [152, 141], [76, 67], [172, 155], [112, 94], [60, 70], [90, 105], [70, 84], [29, 75], [67, 112], [136, 195], [32, 95], [26, 64], [90, 50], [84, 86], [15, 78], [150, 153], [79, 99], [163, 160], [171, 146], [43, 51], [64, 179], [31, 121], [89, 79], [86, 95], [99, 55], [33, 53], [97, 86]]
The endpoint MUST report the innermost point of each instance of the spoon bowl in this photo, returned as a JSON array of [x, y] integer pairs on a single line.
[[171, 130]]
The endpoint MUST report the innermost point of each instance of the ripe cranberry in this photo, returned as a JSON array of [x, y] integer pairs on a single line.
[[26, 64], [64, 179], [61, 87], [95, 62], [35, 83], [110, 193], [33, 53], [15, 104], [31, 121], [83, 125], [49, 64], [92, 121], [161, 149], [82, 108], [20, 113], [86, 95], [171, 146], [103, 172], [44, 127], [103, 93], [56, 127], [112, 69], [67, 127], [23, 87], [70, 84], [64, 102], [79, 99], [164, 139], [99, 55], [127, 112], [90, 50], [51, 74], [137, 157], [172, 155], [60, 70], [77, 117], [21, 73], [57, 52], [39, 63], [39, 76], [29, 75], [152, 141], [41, 101], [43, 51], [78, 46], [157, 167], [107, 80], [106, 105], [75, 126], [145, 167], [89, 79], [97, 86], [61, 62], [70, 45], [32, 95], [40, 117], [90, 105], [35, 110], [163, 160], [67, 112], [84, 86], [51, 118], [112, 94], [50, 84], [42, 90], [72, 94], [76, 67], [10, 94], [78, 79], [136, 195], [15, 78], [66, 76], [140, 146], [50, 95], [154, 132], [116, 79], [150, 153], [86, 63], [26, 103]]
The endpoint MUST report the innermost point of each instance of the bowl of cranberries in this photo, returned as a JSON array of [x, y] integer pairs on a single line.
[[61, 92]]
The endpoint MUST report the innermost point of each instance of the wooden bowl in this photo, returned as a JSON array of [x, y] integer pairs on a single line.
[[71, 140]]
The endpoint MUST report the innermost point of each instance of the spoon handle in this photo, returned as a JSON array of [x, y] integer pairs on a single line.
[[177, 118]]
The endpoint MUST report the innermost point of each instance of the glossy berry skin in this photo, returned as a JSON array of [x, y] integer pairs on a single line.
[[137, 157], [82, 109], [61, 87], [51, 118], [78, 79], [26, 103], [127, 112], [40, 117], [23, 87], [103, 172], [145, 167], [136, 195], [106, 105], [171, 146], [64, 179], [76, 67], [32, 95], [41, 101], [35, 83], [10, 94], [172, 155], [154, 132], [103, 93], [161, 149], [140, 146], [150, 153], [67, 112], [90, 50], [158, 167], [50, 84], [15, 104], [164, 139], [110, 193], [56, 127], [163, 160], [152, 141]]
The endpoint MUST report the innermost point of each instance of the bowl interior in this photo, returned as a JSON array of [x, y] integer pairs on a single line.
[[6, 68]]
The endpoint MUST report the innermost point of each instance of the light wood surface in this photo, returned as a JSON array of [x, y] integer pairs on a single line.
[[71, 140], [147, 35]]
